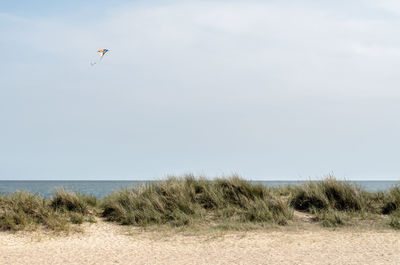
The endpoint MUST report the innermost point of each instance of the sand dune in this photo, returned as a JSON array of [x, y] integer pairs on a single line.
[[105, 243]]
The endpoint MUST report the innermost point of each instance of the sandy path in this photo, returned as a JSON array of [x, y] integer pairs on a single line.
[[104, 243]]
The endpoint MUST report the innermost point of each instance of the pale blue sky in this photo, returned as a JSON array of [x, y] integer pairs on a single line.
[[271, 90]]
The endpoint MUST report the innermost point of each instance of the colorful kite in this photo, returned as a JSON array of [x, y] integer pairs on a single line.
[[102, 52]]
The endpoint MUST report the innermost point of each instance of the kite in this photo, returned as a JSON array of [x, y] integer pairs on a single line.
[[102, 52]]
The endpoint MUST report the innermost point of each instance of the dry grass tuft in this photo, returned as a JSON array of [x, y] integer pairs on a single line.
[[22, 210], [223, 203], [184, 201]]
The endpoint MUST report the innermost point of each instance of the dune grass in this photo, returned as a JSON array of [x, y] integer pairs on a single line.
[[183, 201], [223, 203], [337, 203], [328, 194], [391, 202], [22, 210], [391, 206], [332, 202]]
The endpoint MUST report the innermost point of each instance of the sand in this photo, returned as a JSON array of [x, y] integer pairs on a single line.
[[105, 243]]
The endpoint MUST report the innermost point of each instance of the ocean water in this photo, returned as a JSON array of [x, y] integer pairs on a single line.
[[103, 188]]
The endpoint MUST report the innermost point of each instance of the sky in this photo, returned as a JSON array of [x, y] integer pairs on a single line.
[[268, 90]]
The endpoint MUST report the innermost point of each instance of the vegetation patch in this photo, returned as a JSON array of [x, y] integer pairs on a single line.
[[223, 203], [183, 201], [391, 202], [395, 221], [328, 194], [331, 218], [23, 210]]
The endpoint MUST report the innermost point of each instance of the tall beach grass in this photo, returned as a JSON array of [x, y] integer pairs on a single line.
[[222, 202], [23, 210], [182, 201]]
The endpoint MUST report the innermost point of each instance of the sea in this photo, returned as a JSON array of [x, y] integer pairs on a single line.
[[100, 189]]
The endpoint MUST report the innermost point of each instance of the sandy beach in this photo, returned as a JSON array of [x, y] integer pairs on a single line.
[[106, 243]]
